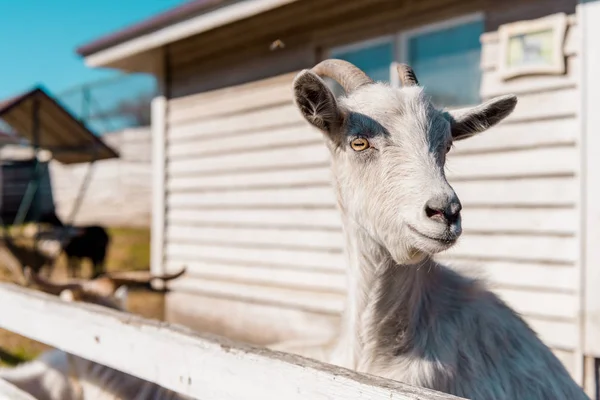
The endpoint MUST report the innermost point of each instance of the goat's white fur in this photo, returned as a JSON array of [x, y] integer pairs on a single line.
[[407, 317]]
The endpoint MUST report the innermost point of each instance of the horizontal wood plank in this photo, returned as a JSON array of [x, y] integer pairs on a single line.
[[243, 142], [533, 134], [256, 275], [516, 247], [289, 218], [192, 364], [541, 304], [291, 197], [254, 323], [305, 176], [552, 104], [274, 257], [305, 155], [523, 275], [562, 221], [314, 238], [256, 120], [306, 300], [518, 192], [225, 98], [232, 100], [557, 334], [533, 162]]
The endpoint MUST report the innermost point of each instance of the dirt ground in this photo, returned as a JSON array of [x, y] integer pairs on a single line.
[[129, 250]]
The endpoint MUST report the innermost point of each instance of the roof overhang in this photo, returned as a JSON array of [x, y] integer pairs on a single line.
[[135, 47], [38, 117]]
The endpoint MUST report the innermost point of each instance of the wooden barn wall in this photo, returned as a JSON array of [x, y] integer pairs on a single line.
[[251, 212], [519, 184]]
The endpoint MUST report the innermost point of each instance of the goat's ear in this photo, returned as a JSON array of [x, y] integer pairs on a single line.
[[467, 122], [317, 104]]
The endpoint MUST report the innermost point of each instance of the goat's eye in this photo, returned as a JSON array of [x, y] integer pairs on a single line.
[[359, 144]]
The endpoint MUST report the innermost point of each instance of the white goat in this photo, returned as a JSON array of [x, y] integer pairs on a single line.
[[57, 375], [407, 317]]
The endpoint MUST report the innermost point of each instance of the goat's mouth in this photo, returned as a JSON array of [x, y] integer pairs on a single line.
[[446, 241]]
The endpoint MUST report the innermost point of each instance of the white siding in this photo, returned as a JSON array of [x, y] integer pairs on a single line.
[[519, 183], [251, 211]]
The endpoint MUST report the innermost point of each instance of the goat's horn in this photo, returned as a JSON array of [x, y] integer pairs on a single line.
[[407, 75], [349, 76], [50, 287]]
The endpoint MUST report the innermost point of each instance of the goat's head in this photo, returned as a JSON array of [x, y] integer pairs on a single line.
[[110, 290], [389, 149]]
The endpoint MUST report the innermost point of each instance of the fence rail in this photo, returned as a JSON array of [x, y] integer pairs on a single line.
[[202, 366]]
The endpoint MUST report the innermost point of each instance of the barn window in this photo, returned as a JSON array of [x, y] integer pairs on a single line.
[[445, 56]]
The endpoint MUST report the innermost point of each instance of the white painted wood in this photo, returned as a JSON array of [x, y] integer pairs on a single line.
[[291, 197], [181, 30], [202, 367], [306, 300], [159, 111], [249, 322], [243, 142], [276, 257], [516, 247], [300, 218], [521, 275], [271, 277], [541, 304], [233, 99], [533, 134], [589, 13], [545, 105], [305, 176], [306, 155], [315, 239], [237, 123], [529, 220], [536, 162], [521, 192], [556, 334], [568, 359]]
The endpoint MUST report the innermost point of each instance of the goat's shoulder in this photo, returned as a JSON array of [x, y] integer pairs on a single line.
[[498, 355]]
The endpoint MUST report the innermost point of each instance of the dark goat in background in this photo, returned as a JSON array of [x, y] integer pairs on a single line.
[[79, 242]]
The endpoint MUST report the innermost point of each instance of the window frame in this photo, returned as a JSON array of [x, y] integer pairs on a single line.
[[400, 40]]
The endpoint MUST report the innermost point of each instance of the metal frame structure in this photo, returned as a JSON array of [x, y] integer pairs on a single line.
[[38, 117]]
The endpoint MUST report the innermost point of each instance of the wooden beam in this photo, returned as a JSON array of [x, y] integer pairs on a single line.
[[201, 366]]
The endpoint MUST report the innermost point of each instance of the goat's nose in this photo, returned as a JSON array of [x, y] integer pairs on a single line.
[[443, 210]]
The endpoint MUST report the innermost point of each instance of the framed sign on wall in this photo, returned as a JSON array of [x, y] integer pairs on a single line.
[[533, 47]]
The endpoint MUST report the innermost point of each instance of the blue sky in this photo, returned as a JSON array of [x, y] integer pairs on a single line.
[[38, 38]]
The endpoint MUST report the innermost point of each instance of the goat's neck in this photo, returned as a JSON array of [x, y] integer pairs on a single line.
[[380, 292]]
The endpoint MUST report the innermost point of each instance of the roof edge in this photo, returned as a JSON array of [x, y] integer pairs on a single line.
[[174, 15]]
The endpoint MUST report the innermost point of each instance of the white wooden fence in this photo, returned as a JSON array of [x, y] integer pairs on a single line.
[[202, 366]]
